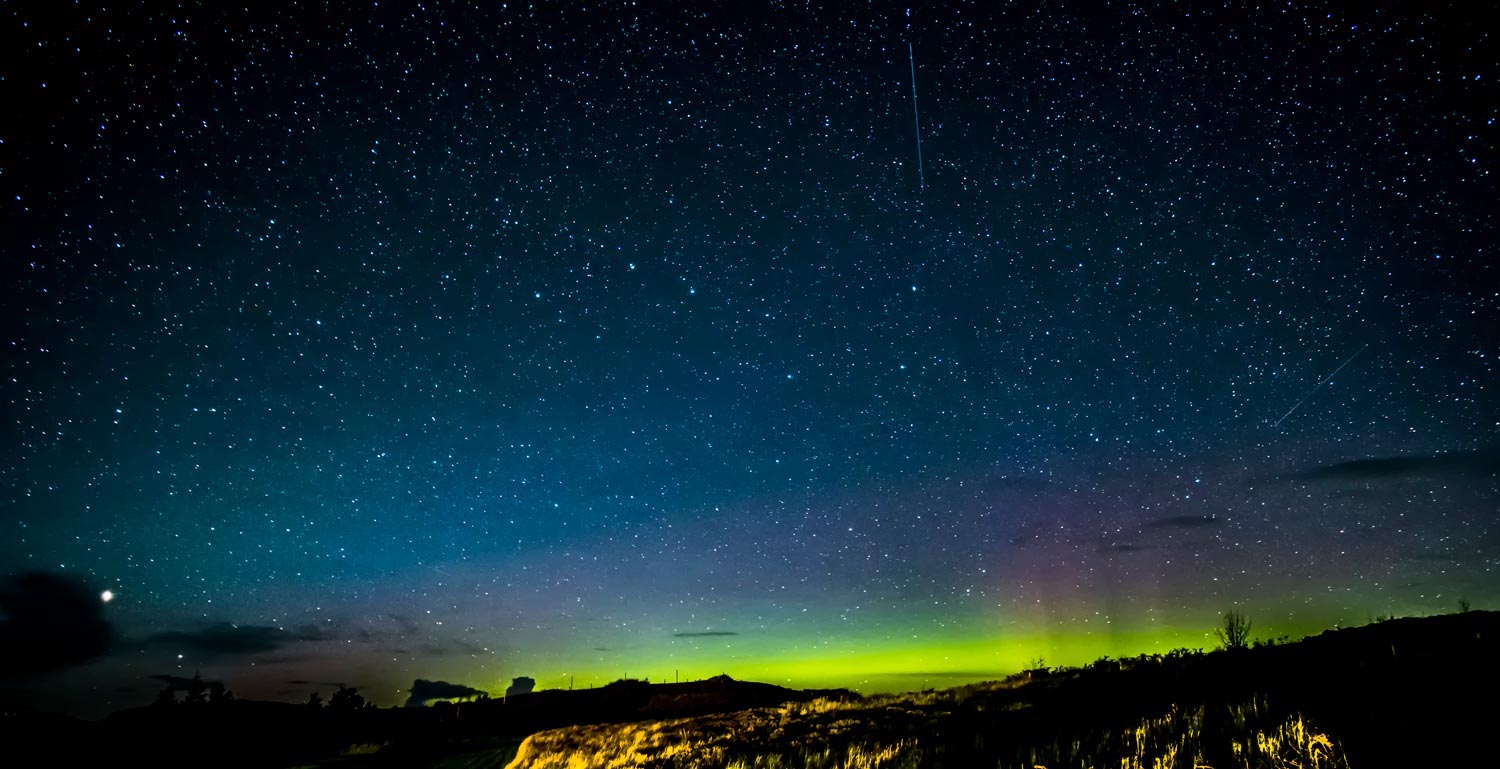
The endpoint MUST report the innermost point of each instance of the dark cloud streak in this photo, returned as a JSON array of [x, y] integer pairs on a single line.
[[180, 683], [228, 639], [423, 691], [407, 626], [1480, 464]]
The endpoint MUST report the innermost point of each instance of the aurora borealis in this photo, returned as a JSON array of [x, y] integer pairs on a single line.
[[370, 343]]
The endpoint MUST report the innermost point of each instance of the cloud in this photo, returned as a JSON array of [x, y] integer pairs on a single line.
[[705, 634], [1026, 535], [423, 691], [408, 627], [1433, 557], [283, 659], [468, 648], [1184, 522], [49, 622], [452, 646], [1480, 464], [179, 682], [228, 639]]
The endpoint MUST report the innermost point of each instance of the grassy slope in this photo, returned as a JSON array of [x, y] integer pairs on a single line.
[[1393, 694]]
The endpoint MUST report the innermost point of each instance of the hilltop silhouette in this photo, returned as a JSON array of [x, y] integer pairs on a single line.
[[1390, 693]]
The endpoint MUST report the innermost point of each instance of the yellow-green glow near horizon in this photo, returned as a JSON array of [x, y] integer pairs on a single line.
[[892, 665]]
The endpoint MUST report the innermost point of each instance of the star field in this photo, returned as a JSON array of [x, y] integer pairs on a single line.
[[363, 344]]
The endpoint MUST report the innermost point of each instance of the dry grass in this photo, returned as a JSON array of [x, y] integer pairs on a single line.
[[822, 733], [898, 733]]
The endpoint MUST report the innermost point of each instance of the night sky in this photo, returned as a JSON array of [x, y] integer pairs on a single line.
[[373, 343]]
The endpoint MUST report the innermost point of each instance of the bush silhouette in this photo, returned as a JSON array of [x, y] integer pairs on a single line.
[[346, 698], [197, 691], [218, 695]]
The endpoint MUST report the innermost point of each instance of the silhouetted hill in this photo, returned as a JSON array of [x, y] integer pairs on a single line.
[[1392, 693], [1402, 693], [257, 733], [631, 700]]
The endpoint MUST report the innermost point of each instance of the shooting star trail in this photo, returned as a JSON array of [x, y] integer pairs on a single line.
[[1309, 394], [916, 117]]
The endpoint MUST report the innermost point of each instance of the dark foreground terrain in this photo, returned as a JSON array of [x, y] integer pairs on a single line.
[[1405, 692]]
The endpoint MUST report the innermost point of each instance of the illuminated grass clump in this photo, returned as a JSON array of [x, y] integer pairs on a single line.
[[924, 729]]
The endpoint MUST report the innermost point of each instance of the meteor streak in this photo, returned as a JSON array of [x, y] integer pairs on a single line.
[[1309, 394]]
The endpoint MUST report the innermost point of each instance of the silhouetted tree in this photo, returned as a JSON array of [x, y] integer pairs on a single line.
[[167, 697], [218, 695], [1464, 606], [197, 691], [315, 701], [1234, 631], [520, 685], [346, 698]]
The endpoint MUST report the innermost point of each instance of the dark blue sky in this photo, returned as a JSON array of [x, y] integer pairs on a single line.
[[370, 344]]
